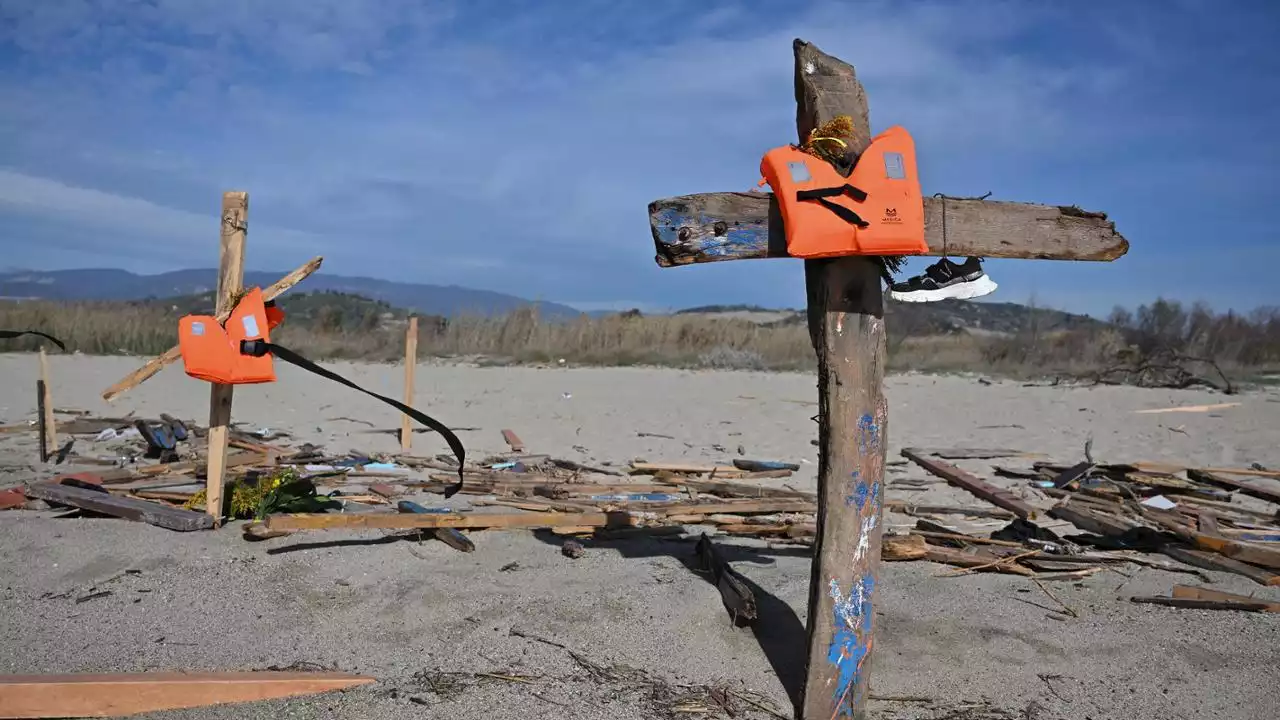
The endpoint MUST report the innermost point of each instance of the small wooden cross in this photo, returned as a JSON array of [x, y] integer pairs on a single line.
[[847, 327], [234, 223]]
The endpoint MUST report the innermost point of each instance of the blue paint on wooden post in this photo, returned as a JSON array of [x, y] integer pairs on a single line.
[[868, 434], [851, 639]]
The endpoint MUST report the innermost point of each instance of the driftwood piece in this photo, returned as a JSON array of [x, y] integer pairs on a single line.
[[1250, 489], [1191, 592], [1213, 561], [120, 694], [738, 598], [513, 441], [447, 535], [387, 521], [1253, 554], [1204, 604], [975, 453], [121, 507], [966, 481], [712, 227], [907, 508]]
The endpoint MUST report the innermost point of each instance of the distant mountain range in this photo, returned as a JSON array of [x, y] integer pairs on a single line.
[[939, 318], [108, 284]]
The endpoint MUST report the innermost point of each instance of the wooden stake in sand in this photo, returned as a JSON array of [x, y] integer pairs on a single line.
[[848, 331], [235, 225], [410, 361], [44, 404]]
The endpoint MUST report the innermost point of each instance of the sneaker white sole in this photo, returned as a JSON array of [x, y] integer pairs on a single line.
[[960, 291]]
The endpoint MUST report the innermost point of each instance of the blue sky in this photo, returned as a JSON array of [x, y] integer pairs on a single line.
[[515, 146]]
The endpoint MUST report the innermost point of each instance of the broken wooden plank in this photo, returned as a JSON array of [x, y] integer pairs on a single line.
[[1192, 592], [738, 598], [979, 487], [386, 521], [685, 468], [447, 535], [975, 561], [1267, 557], [1171, 468], [120, 694], [712, 227], [907, 508], [764, 466], [1202, 604], [1250, 489], [1213, 561], [121, 507], [977, 453], [512, 440], [156, 364]]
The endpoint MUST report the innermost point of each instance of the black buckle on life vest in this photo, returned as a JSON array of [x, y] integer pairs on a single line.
[[842, 212], [255, 348]]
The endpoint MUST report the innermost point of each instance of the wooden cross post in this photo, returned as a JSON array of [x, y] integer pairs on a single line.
[[846, 324], [235, 225]]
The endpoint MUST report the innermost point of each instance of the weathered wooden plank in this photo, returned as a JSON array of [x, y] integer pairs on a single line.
[[411, 521], [846, 325], [1246, 488], [1218, 563], [121, 507], [156, 364], [1191, 592], [738, 598], [121, 694], [955, 476], [710, 227]]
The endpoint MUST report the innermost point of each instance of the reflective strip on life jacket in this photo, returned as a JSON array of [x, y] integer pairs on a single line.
[[877, 210]]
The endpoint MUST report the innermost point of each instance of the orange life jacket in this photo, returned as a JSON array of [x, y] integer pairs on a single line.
[[212, 352], [877, 210]]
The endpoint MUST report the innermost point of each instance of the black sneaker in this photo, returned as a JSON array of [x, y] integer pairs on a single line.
[[945, 280]]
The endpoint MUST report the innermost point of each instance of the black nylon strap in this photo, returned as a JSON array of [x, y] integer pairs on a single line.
[[815, 193], [7, 334], [259, 348], [842, 212]]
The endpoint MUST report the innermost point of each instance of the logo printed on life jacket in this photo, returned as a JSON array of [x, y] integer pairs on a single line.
[[894, 166]]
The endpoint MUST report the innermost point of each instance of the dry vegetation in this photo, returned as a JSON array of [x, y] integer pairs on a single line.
[[1161, 344]]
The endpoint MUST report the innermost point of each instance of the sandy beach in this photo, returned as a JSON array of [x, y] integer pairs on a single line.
[[424, 619]]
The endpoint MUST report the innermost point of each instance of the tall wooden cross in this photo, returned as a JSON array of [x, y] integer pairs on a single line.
[[847, 327]]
